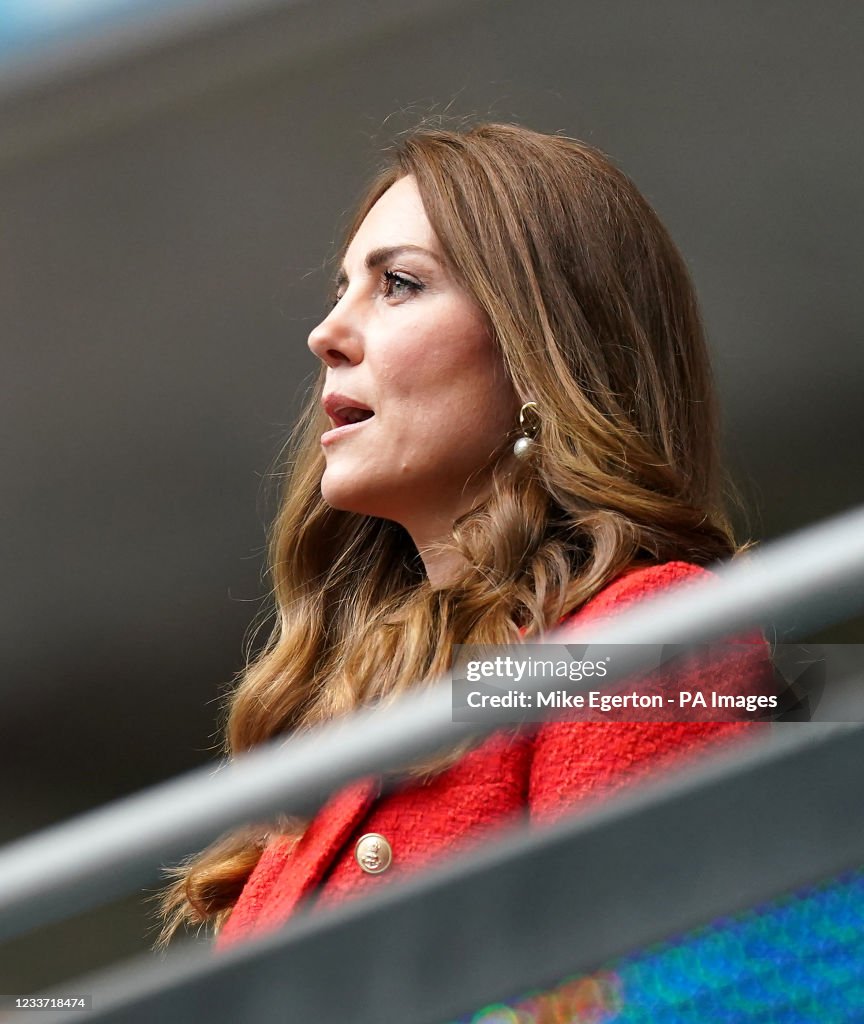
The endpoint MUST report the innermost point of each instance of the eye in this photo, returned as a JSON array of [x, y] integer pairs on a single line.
[[397, 285]]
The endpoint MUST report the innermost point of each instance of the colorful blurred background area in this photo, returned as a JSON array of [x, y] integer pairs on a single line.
[[25, 25]]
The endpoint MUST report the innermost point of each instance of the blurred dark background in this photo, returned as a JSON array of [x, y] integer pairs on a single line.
[[173, 183]]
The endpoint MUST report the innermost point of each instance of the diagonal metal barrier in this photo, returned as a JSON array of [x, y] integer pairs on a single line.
[[809, 579], [527, 911]]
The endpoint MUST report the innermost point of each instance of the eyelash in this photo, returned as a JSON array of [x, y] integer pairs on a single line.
[[391, 280]]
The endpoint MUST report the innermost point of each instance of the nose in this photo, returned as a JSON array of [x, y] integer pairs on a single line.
[[336, 340]]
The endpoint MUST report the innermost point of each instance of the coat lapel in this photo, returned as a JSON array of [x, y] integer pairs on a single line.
[[306, 863]]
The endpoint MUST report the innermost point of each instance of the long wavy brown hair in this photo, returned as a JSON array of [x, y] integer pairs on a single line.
[[594, 312]]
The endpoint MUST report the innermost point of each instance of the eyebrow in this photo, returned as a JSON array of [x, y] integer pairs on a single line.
[[384, 254]]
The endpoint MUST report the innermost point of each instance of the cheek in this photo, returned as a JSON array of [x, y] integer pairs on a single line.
[[443, 377], [446, 395], [418, 379], [480, 386], [466, 402]]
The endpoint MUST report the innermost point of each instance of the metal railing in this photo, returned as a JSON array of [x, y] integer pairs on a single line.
[[535, 907], [802, 582]]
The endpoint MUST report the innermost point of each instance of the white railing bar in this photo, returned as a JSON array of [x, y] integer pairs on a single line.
[[536, 905], [817, 574]]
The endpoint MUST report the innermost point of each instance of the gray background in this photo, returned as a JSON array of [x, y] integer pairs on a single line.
[[169, 199]]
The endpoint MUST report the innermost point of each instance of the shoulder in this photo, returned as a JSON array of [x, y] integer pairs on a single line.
[[634, 585], [575, 761]]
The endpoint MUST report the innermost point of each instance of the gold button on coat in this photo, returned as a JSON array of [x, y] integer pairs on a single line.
[[373, 853]]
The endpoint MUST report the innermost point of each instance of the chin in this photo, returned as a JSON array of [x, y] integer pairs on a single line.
[[338, 497], [345, 495]]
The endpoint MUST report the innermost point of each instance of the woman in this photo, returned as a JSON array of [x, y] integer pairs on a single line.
[[498, 288]]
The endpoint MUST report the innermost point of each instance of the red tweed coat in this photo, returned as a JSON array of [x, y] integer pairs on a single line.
[[559, 766]]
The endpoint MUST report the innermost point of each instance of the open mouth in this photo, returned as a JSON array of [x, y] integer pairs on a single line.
[[350, 414], [345, 410]]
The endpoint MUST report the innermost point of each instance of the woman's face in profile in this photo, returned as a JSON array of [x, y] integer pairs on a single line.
[[415, 387]]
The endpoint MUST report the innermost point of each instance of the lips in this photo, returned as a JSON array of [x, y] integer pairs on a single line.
[[344, 411]]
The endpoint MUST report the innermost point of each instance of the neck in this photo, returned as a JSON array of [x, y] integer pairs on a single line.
[[432, 536], [442, 566], [433, 539]]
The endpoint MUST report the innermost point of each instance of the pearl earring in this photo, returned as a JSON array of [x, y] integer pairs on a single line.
[[525, 444]]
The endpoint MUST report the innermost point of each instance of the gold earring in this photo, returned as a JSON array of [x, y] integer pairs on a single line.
[[525, 444]]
